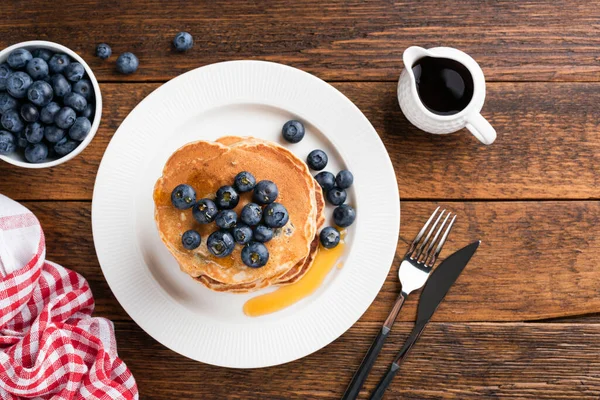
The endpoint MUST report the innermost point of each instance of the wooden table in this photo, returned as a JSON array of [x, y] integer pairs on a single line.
[[522, 321]]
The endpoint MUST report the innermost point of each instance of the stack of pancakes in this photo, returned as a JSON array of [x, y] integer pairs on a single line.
[[206, 166]]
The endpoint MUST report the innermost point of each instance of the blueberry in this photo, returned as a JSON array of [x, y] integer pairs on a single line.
[[220, 243], [22, 140], [336, 196], [5, 71], [183, 41], [265, 192], [7, 102], [54, 134], [191, 239], [19, 58], [344, 179], [48, 112], [40, 93], [244, 182], [103, 51], [329, 237], [293, 131], [8, 143], [226, 219], [44, 54], [36, 153], [262, 233], [205, 211], [127, 63], [227, 198], [65, 146], [183, 196], [317, 160], [242, 233], [75, 101], [11, 120], [60, 85], [37, 68], [84, 88], [34, 132], [58, 63], [344, 215], [326, 180], [29, 112], [74, 72], [255, 255], [251, 214], [80, 129], [88, 112], [65, 117], [17, 84], [275, 215]]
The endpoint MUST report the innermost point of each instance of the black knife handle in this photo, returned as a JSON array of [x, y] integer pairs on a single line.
[[385, 382]]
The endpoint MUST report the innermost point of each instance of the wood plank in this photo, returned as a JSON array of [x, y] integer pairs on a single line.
[[340, 40], [548, 146], [451, 361], [537, 259]]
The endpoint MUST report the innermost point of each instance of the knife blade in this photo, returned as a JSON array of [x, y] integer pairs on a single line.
[[439, 283]]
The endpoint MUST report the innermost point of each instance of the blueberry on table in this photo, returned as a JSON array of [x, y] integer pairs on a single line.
[[326, 180], [183, 197], [44, 54], [317, 160], [265, 192], [251, 214], [76, 101], [48, 112], [205, 211], [344, 179], [29, 112], [336, 196], [34, 132], [127, 63], [65, 117], [275, 215], [8, 143], [5, 71], [227, 198], [17, 84], [84, 88], [60, 85], [19, 58], [244, 182], [226, 219], [344, 215], [262, 233], [53, 133], [255, 255], [103, 51], [220, 243], [190, 239], [11, 120], [40, 93], [183, 41], [58, 63], [329, 237], [242, 233], [65, 146], [36, 153], [293, 131], [7, 102], [74, 72], [37, 68]]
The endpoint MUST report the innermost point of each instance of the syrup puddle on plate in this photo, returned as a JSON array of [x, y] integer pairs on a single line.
[[285, 296]]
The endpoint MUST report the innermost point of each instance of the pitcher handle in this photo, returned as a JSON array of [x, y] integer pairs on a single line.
[[481, 129]]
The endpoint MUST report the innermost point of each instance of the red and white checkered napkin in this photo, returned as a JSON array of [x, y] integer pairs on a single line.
[[50, 346]]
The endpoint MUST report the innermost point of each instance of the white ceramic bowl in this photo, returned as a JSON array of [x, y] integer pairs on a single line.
[[17, 158]]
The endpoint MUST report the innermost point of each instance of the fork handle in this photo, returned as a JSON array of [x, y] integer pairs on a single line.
[[361, 374]]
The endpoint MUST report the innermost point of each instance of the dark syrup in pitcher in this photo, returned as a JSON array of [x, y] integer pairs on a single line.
[[445, 86]]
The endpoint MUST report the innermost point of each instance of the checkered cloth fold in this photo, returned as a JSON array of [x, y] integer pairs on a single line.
[[50, 346]]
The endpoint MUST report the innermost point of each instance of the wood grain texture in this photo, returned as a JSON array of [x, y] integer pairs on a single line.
[[536, 260], [336, 40], [548, 146], [450, 361]]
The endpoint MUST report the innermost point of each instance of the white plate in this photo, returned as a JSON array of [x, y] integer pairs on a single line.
[[246, 98]]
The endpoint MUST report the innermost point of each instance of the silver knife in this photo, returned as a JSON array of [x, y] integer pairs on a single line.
[[438, 284]]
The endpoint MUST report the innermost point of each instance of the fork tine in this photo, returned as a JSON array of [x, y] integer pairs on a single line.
[[435, 238], [426, 240], [438, 249], [420, 234]]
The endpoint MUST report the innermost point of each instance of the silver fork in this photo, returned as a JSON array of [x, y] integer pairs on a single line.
[[413, 273]]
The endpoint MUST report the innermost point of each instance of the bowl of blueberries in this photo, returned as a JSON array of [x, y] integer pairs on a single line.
[[50, 104]]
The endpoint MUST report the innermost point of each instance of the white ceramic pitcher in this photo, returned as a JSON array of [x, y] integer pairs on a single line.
[[422, 118]]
